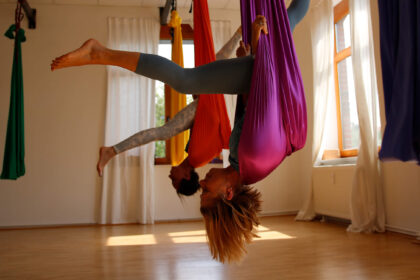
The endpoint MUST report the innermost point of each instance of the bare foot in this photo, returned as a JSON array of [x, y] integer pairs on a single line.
[[105, 154], [88, 53]]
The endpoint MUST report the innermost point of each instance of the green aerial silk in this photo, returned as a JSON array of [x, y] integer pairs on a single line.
[[14, 151]]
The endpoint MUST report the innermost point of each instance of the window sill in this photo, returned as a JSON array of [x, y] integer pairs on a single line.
[[336, 162]]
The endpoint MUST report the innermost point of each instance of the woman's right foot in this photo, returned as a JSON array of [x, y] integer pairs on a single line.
[[105, 154], [89, 53]]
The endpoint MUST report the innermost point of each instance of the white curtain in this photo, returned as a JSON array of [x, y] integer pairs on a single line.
[[221, 34], [367, 206], [128, 182], [322, 35]]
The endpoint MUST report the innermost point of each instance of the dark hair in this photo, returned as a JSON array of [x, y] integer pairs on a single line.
[[189, 187]]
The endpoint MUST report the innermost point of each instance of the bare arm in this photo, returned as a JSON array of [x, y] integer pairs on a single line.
[[180, 122], [226, 51], [296, 11]]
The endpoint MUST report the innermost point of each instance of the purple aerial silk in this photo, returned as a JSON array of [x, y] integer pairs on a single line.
[[275, 121]]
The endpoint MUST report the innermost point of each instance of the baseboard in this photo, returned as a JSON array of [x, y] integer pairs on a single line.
[[49, 226], [265, 214], [332, 219], [324, 218], [403, 231], [281, 213], [52, 226], [165, 221]]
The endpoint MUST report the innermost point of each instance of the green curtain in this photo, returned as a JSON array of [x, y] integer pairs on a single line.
[[14, 151]]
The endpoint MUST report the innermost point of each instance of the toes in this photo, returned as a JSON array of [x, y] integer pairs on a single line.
[[99, 169]]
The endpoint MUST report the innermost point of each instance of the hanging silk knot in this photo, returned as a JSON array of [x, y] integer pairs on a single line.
[[20, 33], [175, 20], [9, 32]]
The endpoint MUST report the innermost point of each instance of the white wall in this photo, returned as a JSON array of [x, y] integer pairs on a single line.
[[280, 192], [64, 116], [303, 168], [64, 125]]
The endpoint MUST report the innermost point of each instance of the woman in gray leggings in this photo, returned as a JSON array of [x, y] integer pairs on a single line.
[[229, 208], [189, 80]]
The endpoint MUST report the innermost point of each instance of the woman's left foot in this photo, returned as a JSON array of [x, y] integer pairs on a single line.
[[105, 154], [89, 53]]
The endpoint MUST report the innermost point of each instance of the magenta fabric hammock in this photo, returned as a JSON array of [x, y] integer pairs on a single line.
[[275, 121]]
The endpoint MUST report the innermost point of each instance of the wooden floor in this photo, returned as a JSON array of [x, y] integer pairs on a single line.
[[286, 250]]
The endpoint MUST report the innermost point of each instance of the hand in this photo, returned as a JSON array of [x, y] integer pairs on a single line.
[[243, 50], [259, 24]]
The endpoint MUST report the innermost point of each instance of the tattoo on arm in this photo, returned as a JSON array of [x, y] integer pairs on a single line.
[[226, 51], [179, 123]]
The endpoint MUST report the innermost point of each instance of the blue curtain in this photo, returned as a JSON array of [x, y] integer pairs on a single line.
[[400, 54]]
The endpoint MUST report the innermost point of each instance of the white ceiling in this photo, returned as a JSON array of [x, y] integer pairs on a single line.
[[213, 4]]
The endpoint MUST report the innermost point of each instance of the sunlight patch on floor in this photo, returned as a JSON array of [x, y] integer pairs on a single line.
[[187, 233], [185, 237], [130, 240], [272, 235], [190, 239]]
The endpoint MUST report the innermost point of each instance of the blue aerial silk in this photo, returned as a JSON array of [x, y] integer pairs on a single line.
[[400, 54]]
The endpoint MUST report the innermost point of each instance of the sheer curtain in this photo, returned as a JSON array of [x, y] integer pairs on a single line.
[[367, 206], [322, 35], [128, 182], [222, 32]]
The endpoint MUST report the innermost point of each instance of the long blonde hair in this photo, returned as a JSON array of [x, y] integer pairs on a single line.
[[230, 224]]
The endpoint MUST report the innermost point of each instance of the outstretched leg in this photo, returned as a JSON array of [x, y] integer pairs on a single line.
[[92, 52], [179, 123], [230, 76]]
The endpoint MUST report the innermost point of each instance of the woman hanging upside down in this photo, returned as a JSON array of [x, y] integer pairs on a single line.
[[229, 208], [184, 178]]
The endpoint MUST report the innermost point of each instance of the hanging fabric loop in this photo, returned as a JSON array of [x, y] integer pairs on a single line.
[[211, 130], [14, 150], [177, 100], [275, 120]]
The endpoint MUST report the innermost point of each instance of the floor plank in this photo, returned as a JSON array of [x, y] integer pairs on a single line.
[[286, 250]]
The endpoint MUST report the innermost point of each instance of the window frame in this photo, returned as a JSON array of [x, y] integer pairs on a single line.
[[341, 10], [165, 34]]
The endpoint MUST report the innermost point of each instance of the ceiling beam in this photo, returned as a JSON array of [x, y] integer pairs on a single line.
[[164, 12]]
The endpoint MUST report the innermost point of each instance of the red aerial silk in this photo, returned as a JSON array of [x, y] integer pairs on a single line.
[[275, 120], [211, 131]]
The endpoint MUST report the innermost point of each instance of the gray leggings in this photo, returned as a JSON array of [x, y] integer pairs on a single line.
[[228, 76]]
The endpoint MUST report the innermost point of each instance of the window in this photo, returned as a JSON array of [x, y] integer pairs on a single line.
[[347, 120], [162, 99], [347, 125], [342, 124]]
